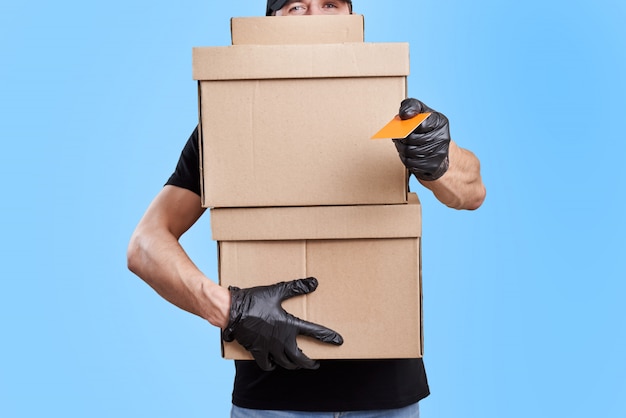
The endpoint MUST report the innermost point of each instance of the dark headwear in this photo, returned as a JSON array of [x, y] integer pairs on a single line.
[[273, 5]]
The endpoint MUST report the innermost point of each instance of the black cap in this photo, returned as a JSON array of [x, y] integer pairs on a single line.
[[273, 5]]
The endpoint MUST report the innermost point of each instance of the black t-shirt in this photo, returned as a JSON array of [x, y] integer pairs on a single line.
[[338, 385], [187, 173]]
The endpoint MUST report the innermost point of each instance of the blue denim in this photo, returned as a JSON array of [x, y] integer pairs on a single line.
[[411, 411]]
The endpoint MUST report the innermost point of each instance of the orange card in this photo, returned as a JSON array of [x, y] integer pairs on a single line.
[[398, 128]]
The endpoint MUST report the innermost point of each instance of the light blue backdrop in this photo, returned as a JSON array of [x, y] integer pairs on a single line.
[[524, 298]]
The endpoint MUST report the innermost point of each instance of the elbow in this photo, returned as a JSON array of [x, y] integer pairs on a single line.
[[477, 199], [133, 255], [469, 202]]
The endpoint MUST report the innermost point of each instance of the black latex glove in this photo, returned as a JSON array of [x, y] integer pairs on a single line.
[[425, 151], [260, 324]]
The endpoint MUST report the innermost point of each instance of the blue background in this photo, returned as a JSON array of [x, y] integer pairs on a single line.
[[524, 298]]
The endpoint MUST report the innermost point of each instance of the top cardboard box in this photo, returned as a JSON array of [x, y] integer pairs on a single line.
[[295, 30], [289, 124]]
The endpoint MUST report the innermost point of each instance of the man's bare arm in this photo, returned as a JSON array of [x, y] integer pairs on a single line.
[[156, 256], [461, 187]]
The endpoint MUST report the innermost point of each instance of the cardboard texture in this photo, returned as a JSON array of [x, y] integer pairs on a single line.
[[260, 62], [289, 125], [295, 30], [366, 259]]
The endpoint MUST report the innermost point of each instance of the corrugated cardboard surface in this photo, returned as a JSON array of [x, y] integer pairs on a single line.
[[323, 222], [251, 62], [316, 29], [299, 142], [369, 287]]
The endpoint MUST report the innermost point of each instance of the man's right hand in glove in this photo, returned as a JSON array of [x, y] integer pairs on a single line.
[[260, 324]]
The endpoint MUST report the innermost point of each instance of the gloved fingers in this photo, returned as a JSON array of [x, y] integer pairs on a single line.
[[434, 129], [301, 360], [421, 151], [435, 121], [292, 358], [297, 287], [283, 361], [318, 332], [422, 138], [263, 360], [412, 107]]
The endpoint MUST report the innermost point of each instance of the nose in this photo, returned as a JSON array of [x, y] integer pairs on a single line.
[[314, 10]]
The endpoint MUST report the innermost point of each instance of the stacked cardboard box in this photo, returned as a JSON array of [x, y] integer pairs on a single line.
[[298, 189]]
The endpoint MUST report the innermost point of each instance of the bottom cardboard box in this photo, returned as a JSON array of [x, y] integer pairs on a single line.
[[366, 259]]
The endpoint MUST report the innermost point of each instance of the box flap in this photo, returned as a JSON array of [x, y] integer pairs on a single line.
[[318, 222], [272, 30], [254, 62]]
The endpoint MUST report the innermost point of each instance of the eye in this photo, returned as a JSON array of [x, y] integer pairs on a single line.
[[296, 8], [333, 5]]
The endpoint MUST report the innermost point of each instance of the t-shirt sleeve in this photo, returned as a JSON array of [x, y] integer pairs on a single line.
[[187, 173]]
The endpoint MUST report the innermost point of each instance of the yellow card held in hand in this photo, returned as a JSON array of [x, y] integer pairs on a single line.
[[398, 128]]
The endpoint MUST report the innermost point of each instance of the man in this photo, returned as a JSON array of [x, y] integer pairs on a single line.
[[282, 378]]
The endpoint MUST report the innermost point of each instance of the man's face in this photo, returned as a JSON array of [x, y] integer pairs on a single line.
[[314, 7]]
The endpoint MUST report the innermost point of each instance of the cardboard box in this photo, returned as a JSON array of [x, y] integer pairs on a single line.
[[366, 259], [295, 30], [290, 125]]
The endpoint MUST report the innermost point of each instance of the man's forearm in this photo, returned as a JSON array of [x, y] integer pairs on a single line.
[[461, 187], [158, 258]]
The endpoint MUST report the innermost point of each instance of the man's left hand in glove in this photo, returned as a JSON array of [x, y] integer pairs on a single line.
[[424, 152]]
